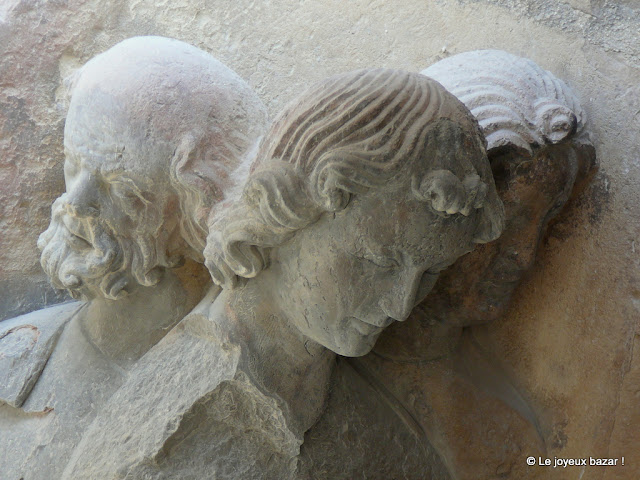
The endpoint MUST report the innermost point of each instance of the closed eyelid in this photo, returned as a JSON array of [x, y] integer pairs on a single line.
[[377, 260], [384, 261], [128, 190]]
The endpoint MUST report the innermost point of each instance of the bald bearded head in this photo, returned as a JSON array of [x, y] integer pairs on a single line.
[[157, 135]]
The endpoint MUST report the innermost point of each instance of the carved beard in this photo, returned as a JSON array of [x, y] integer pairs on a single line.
[[105, 264]]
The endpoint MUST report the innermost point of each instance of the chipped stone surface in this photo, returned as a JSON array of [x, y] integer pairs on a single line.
[[443, 385], [192, 410], [37, 436], [183, 403], [25, 345], [126, 236], [232, 389], [578, 305]]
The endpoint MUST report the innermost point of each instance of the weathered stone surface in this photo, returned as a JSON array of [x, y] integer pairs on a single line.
[[540, 148], [158, 134], [578, 305], [192, 410], [38, 437], [25, 345], [442, 381], [230, 392], [394, 142], [366, 433], [189, 412]]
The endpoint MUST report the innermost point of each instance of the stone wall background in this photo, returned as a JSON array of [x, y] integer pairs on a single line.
[[570, 337]]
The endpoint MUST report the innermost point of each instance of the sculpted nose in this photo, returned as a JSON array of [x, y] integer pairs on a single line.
[[522, 252], [82, 197], [400, 300], [524, 256]]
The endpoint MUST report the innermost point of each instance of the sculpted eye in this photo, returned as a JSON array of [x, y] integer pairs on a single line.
[[377, 261], [123, 192], [383, 262]]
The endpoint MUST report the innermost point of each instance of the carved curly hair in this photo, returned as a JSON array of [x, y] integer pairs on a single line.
[[516, 102], [348, 134]]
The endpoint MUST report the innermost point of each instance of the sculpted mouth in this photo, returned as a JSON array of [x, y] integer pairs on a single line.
[[368, 327], [382, 322]]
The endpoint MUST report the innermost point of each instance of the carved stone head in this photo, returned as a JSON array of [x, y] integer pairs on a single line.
[[364, 189], [538, 147], [155, 133]]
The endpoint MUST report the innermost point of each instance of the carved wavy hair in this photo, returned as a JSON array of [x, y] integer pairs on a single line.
[[516, 102], [348, 134], [115, 262]]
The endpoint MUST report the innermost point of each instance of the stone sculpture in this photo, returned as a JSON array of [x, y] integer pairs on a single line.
[[364, 189], [540, 148], [157, 135], [444, 388]]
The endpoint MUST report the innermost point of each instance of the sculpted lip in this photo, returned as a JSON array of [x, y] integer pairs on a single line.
[[372, 326], [384, 322]]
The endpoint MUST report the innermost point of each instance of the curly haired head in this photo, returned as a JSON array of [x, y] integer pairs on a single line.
[[350, 133], [171, 127]]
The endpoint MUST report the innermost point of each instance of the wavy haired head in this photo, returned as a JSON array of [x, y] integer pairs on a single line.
[[516, 102], [540, 152], [350, 133]]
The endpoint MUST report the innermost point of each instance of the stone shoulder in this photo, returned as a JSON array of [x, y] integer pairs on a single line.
[[26, 343]]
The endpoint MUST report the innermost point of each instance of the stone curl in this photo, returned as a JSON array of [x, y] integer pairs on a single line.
[[516, 102]]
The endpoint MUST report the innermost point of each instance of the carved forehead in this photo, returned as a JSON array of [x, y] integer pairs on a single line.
[[115, 154]]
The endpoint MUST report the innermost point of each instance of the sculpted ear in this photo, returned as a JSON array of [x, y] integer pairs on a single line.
[[193, 171], [184, 155]]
